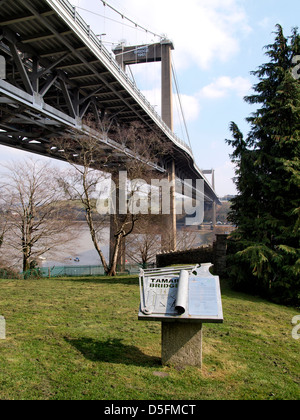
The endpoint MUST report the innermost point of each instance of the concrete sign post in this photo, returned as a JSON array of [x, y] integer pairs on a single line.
[[2, 328], [182, 298], [2, 67]]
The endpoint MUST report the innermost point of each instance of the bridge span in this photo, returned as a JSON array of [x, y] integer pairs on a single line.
[[55, 71]]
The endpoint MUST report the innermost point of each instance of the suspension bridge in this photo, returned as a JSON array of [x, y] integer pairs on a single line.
[[55, 70]]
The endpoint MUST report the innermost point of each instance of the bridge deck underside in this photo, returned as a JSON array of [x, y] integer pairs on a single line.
[[58, 73]]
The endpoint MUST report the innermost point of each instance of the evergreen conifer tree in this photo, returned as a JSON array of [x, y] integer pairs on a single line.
[[265, 254]]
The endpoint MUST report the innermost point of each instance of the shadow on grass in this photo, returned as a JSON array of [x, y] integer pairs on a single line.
[[113, 351]]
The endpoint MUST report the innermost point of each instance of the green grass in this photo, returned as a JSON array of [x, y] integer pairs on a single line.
[[80, 339]]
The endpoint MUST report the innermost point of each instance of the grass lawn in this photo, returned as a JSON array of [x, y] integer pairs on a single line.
[[80, 338]]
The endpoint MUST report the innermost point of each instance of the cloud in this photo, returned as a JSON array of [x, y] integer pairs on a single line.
[[9, 154], [265, 23], [154, 97], [224, 85], [203, 32], [224, 179], [190, 105]]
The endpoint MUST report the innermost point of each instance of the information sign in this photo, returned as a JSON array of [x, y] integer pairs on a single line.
[[180, 294]]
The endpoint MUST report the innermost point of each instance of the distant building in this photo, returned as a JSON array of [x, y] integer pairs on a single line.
[[226, 198]]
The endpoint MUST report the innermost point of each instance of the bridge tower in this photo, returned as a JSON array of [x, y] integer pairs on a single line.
[[215, 201], [159, 52]]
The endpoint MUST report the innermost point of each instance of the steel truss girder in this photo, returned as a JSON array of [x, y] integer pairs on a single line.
[[35, 71], [45, 117], [52, 98], [90, 66]]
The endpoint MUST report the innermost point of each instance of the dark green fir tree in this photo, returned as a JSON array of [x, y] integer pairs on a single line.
[[264, 254]]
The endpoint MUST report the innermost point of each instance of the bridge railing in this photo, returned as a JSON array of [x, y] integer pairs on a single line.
[[71, 10]]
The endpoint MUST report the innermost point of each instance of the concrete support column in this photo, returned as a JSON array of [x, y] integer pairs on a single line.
[[214, 214], [214, 218], [169, 234], [166, 83], [173, 218], [181, 344]]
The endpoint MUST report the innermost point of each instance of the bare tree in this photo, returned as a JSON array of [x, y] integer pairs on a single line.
[[145, 244], [188, 239], [80, 184], [131, 149], [37, 220], [5, 207]]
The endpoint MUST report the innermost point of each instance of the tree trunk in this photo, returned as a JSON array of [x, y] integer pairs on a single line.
[[114, 261], [26, 263], [90, 223]]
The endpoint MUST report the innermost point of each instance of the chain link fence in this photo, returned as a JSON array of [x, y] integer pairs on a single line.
[[79, 271], [70, 271]]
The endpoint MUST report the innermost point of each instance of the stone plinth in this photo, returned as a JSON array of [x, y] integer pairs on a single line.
[[181, 344]]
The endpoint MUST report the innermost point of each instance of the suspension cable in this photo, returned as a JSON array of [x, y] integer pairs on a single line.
[[105, 3], [141, 28], [112, 20], [180, 103]]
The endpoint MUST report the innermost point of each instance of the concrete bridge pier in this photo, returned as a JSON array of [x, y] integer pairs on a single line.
[[169, 234]]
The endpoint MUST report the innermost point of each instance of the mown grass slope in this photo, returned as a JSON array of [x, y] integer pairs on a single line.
[[80, 339]]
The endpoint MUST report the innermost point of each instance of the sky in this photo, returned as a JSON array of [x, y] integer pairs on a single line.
[[217, 44]]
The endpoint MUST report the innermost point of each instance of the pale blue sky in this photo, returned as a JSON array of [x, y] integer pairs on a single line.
[[217, 44]]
